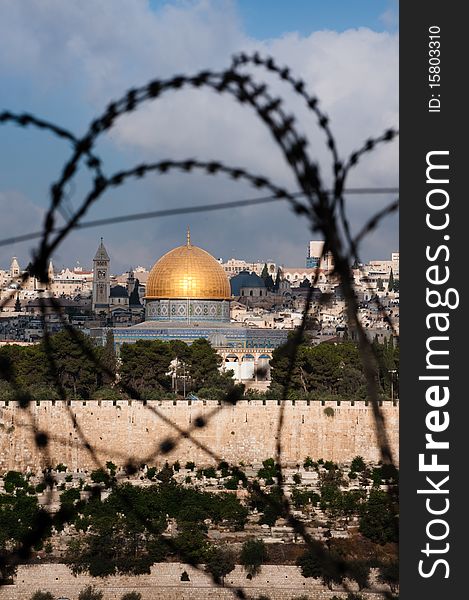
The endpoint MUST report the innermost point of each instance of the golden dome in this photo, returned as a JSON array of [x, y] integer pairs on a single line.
[[188, 272]]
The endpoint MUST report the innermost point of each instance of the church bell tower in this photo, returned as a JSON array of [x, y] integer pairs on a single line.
[[101, 279]]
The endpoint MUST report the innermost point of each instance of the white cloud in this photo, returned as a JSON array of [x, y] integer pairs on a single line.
[[100, 48]]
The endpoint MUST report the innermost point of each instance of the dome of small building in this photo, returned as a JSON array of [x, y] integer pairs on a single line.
[[118, 291], [187, 272], [244, 279]]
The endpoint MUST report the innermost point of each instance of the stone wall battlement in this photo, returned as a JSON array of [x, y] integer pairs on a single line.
[[200, 403], [244, 432]]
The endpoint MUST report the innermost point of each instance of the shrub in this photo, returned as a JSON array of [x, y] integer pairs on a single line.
[[209, 472], [269, 471], [151, 472], [232, 483], [14, 479], [90, 593], [190, 465], [297, 478], [350, 596], [48, 548], [111, 467], [132, 596], [166, 474], [100, 476], [329, 411], [358, 464], [224, 467], [42, 596]]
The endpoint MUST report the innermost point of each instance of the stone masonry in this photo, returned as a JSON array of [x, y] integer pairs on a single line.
[[278, 582], [245, 432]]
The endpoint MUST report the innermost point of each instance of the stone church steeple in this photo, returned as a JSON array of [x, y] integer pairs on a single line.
[[101, 279]]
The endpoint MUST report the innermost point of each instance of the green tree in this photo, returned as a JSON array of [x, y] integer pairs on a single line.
[[19, 515], [391, 281], [378, 520], [203, 364], [100, 476], [109, 360], [145, 364], [325, 369], [310, 564], [180, 350], [220, 562], [166, 473], [280, 366], [319, 563], [14, 479], [7, 391], [278, 279], [191, 543], [359, 571], [389, 574], [24, 367], [253, 556], [75, 359], [134, 298], [386, 361]]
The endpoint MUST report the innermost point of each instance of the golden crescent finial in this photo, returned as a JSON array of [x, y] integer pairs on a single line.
[[188, 236]]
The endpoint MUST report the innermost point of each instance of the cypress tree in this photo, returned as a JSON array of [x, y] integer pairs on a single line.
[[134, 298], [391, 281], [278, 279]]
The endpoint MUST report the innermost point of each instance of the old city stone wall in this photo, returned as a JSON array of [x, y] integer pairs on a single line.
[[278, 582], [245, 432]]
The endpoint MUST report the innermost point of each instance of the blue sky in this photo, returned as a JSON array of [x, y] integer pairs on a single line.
[[65, 60], [271, 18]]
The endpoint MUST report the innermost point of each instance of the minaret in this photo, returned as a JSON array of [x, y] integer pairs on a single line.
[[130, 281], [15, 270], [50, 275], [101, 279]]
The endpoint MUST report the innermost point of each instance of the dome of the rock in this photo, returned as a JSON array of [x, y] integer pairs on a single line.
[[183, 277]]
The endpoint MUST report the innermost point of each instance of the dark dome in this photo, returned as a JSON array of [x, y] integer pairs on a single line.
[[118, 291], [244, 279]]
